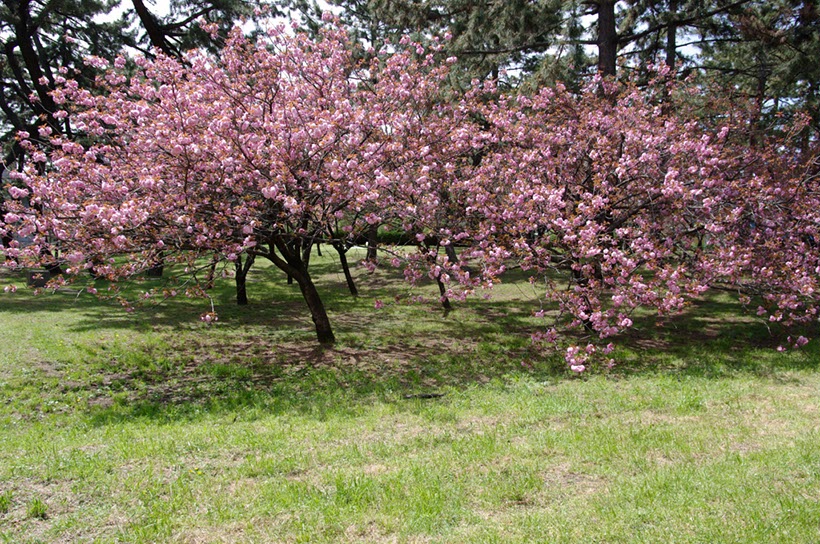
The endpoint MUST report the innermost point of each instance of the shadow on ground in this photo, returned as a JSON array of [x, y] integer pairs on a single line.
[[264, 355]]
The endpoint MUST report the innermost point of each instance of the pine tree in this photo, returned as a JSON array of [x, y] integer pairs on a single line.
[[487, 36], [38, 37], [769, 52]]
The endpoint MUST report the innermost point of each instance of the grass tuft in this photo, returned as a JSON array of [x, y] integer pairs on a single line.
[[37, 509], [5, 501]]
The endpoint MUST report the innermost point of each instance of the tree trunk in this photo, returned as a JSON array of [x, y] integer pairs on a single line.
[[209, 279], [324, 332], [291, 262], [607, 38], [241, 278], [152, 28], [756, 126], [672, 36], [6, 238], [25, 32], [339, 246], [445, 302], [241, 287], [372, 243], [451, 254]]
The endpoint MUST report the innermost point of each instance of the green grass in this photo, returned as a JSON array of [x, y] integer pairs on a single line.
[[37, 509], [155, 427], [5, 502]]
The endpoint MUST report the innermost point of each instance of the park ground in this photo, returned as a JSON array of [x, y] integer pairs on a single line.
[[153, 426]]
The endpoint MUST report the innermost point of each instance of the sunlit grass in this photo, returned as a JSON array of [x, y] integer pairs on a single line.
[[417, 427]]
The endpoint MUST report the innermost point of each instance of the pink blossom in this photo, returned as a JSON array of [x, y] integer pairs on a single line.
[[209, 317]]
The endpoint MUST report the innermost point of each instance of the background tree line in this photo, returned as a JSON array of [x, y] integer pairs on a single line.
[[765, 49]]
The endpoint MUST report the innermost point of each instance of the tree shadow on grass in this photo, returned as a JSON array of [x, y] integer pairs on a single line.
[[263, 357], [374, 359], [254, 376], [716, 338]]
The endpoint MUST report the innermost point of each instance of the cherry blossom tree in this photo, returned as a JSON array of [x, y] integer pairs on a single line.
[[616, 199], [264, 151]]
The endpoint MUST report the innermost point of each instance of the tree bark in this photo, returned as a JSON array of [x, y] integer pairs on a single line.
[[340, 247], [324, 332], [372, 243], [445, 301], [450, 250], [241, 278], [607, 38], [672, 36], [153, 29], [291, 262], [241, 288], [25, 35]]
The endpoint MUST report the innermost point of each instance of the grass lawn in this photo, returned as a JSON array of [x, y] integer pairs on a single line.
[[415, 427]]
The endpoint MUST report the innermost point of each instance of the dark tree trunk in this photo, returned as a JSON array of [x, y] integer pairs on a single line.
[[153, 29], [607, 38], [241, 278], [372, 243], [241, 289], [209, 279], [341, 248], [763, 71], [324, 332], [291, 260], [442, 289], [306, 248], [451, 254], [6, 238], [672, 36], [25, 32]]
